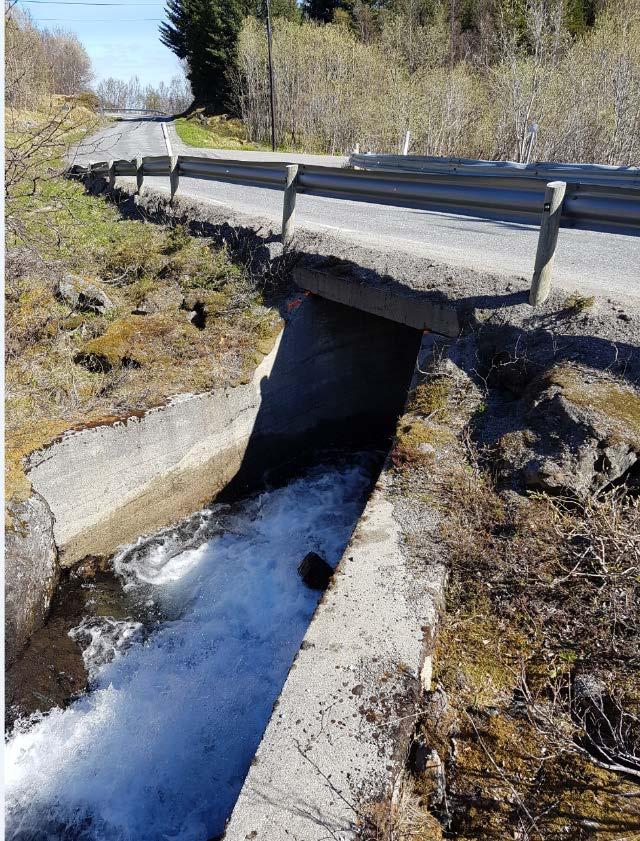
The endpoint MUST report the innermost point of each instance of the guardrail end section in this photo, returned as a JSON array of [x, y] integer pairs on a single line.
[[547, 241]]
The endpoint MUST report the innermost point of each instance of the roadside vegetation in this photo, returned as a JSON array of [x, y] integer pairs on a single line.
[[107, 316], [470, 92], [215, 132], [531, 729]]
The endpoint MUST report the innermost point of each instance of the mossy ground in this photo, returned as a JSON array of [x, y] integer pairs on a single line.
[[522, 620], [218, 132], [617, 403], [51, 383]]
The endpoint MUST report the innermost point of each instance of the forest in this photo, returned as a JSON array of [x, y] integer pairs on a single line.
[[468, 84]]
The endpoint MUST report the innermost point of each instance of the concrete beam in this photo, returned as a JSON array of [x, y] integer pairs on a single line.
[[411, 310]]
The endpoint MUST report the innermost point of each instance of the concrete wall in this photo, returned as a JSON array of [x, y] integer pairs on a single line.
[[335, 376], [339, 732]]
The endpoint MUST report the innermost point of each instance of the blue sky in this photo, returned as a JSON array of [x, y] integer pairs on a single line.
[[122, 40]]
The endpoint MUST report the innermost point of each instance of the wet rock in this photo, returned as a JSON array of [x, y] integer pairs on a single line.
[[31, 571], [83, 295], [315, 571], [88, 568]]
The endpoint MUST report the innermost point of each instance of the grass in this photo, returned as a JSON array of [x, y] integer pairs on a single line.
[[541, 592], [218, 132], [67, 368], [577, 303]]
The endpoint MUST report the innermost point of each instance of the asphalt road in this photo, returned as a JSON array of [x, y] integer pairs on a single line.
[[585, 261]]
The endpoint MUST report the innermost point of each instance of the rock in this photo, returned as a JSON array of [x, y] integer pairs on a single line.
[[315, 571], [82, 295], [167, 297], [132, 342], [88, 568], [581, 432], [31, 571]]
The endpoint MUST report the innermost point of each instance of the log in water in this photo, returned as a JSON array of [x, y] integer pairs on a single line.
[[160, 745]]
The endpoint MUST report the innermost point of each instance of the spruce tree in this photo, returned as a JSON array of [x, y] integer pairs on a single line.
[[205, 33], [321, 10]]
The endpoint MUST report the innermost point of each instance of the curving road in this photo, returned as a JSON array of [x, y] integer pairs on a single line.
[[585, 261]]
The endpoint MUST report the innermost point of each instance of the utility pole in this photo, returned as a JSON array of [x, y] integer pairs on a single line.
[[273, 104]]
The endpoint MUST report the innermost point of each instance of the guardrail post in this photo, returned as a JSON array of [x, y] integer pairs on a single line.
[[289, 205], [174, 175], [112, 175], [547, 240], [139, 175]]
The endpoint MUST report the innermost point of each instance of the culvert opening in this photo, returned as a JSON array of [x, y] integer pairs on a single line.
[[185, 669]]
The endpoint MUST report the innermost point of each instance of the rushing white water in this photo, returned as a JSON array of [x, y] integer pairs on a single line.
[[160, 746]]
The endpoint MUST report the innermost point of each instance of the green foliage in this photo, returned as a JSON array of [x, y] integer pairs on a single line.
[[287, 9], [218, 132], [205, 34]]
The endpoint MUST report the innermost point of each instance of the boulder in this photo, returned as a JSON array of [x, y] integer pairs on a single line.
[[31, 571], [580, 432], [315, 571], [83, 295], [166, 297]]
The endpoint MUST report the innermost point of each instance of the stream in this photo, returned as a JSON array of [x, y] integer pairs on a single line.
[[182, 687]]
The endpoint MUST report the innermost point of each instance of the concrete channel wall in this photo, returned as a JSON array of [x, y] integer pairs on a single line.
[[335, 377], [339, 732]]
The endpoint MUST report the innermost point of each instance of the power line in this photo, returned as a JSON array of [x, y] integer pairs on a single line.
[[83, 3], [95, 20]]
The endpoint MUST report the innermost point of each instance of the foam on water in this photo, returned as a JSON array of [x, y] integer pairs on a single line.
[[160, 746]]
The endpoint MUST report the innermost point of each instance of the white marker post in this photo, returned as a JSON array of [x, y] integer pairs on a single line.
[[139, 175], [289, 205], [547, 241]]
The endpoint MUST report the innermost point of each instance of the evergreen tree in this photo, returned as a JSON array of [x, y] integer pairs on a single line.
[[321, 10], [287, 9], [205, 33]]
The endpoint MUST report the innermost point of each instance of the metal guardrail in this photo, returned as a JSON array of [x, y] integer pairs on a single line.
[[628, 176], [613, 207], [141, 111], [503, 193]]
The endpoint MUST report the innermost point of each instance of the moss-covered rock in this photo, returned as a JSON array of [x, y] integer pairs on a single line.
[[580, 432], [83, 294], [135, 342]]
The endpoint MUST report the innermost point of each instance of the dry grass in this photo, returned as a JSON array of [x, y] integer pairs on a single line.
[[542, 592], [542, 599], [66, 367]]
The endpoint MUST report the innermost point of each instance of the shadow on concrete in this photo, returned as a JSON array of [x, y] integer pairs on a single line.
[[339, 382]]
